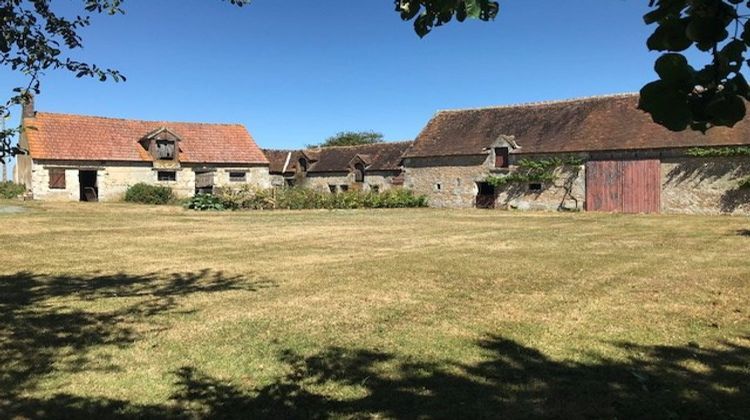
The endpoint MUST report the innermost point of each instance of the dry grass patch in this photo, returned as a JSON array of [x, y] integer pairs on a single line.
[[135, 311]]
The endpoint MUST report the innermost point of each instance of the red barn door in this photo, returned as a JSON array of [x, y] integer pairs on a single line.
[[625, 186]]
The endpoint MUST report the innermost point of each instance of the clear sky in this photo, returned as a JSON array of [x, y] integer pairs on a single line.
[[295, 72]]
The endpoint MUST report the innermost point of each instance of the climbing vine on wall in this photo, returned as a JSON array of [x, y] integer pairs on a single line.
[[534, 170], [718, 151]]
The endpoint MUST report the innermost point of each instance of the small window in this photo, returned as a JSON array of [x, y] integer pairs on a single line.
[[535, 186], [375, 188], [165, 149], [438, 187], [344, 188], [237, 176], [359, 173], [167, 176], [332, 189], [57, 179], [501, 157]]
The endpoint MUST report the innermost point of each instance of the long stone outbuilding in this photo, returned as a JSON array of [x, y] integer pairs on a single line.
[[625, 162], [370, 167], [85, 158]]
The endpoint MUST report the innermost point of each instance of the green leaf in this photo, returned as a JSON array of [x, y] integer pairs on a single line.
[[670, 36], [706, 30], [674, 69], [473, 9], [667, 105], [726, 110]]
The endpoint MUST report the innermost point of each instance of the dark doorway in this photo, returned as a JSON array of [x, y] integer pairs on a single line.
[[486, 196], [89, 189]]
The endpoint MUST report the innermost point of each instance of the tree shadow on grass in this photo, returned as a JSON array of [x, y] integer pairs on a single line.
[[514, 381], [41, 333]]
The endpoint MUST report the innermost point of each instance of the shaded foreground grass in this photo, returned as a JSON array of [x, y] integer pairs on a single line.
[[128, 311]]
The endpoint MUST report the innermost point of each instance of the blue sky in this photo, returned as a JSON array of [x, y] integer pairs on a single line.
[[296, 72]]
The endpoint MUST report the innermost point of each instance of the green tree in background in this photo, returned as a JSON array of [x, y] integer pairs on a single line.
[[351, 138]]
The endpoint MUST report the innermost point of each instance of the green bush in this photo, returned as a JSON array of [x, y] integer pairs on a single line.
[[149, 194], [204, 202], [301, 198], [11, 189]]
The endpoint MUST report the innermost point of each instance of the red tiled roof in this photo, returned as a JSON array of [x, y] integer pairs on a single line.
[[579, 125], [79, 137]]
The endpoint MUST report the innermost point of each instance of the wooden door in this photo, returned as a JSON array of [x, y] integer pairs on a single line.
[[624, 186]]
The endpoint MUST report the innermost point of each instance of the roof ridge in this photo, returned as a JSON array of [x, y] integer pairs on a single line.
[[360, 145], [65, 114], [265, 149], [544, 103]]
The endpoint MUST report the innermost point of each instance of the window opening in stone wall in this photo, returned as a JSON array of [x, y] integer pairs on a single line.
[[237, 176], [166, 176], [165, 149], [57, 179], [501, 157]]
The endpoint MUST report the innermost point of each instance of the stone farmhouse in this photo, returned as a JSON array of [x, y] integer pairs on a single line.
[[371, 167], [607, 155], [75, 157], [626, 163]]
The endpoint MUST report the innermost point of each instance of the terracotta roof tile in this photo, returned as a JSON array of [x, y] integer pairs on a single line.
[[78, 137], [580, 125]]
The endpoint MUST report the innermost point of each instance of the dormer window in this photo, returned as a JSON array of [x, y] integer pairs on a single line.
[[359, 172], [162, 144], [501, 157], [165, 149]]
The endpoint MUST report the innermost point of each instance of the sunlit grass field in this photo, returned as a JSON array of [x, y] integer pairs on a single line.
[[158, 312]]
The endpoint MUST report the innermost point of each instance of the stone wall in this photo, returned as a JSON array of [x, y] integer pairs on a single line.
[[322, 181], [447, 182], [452, 182], [705, 185], [22, 169], [113, 179], [40, 185], [257, 176], [567, 192]]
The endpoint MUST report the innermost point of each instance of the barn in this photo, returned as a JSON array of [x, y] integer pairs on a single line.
[[595, 154], [88, 158], [368, 167]]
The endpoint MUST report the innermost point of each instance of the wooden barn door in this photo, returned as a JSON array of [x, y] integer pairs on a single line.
[[625, 186]]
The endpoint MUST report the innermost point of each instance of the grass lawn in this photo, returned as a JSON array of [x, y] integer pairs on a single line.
[[137, 311]]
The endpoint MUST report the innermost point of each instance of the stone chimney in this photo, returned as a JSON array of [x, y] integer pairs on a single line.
[[28, 106]]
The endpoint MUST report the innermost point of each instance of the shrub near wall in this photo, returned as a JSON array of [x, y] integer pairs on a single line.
[[11, 189], [302, 198], [149, 194]]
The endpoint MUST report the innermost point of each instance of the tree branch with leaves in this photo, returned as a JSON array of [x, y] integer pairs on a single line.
[[36, 39]]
